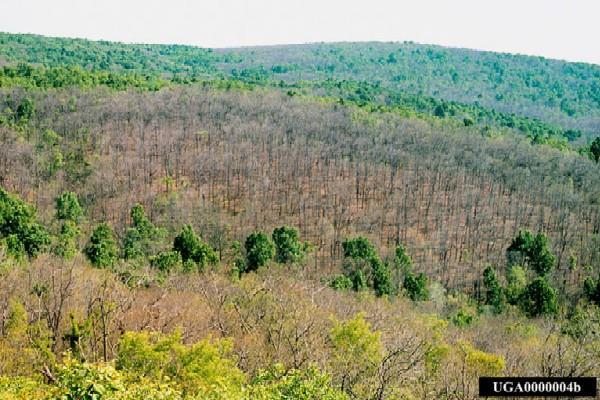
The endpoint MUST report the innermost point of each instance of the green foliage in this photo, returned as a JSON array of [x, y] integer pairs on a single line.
[[382, 277], [142, 238], [401, 264], [167, 261], [359, 248], [363, 267], [494, 295], [402, 259], [68, 208], [531, 251], [516, 281], [288, 248], [278, 383], [30, 77], [22, 388], [595, 149], [85, 381], [195, 253], [356, 353], [66, 245], [341, 282], [416, 286], [538, 298], [205, 368], [259, 250], [462, 318], [24, 346], [25, 110], [102, 249], [19, 229], [591, 290]]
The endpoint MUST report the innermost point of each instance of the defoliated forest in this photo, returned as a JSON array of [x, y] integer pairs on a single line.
[[327, 221]]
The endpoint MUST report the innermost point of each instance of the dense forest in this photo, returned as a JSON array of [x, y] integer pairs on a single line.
[[326, 221]]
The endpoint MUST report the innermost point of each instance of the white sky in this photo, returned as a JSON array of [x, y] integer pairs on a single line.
[[563, 29]]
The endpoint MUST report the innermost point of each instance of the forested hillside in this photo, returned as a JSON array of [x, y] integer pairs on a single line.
[[560, 93], [329, 221]]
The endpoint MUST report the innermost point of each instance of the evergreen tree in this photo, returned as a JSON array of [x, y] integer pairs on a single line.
[[358, 248], [288, 248], [591, 289], [259, 250], [143, 237], [66, 245], [416, 286], [195, 254], [538, 298], [68, 208], [19, 229], [382, 277], [494, 295], [102, 247], [531, 251], [595, 149]]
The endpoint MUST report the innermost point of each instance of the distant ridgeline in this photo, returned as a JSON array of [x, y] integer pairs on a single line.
[[552, 102]]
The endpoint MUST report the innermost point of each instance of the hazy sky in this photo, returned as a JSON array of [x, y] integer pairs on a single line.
[[564, 29]]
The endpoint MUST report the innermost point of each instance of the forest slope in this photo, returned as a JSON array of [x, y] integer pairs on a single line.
[[558, 92]]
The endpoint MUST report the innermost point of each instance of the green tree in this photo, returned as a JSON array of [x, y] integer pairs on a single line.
[[259, 250], [364, 268], [538, 298], [531, 251], [194, 252], [25, 110], [382, 277], [68, 208], [402, 263], [358, 248], [102, 248], [143, 237], [288, 248], [595, 149], [19, 229], [66, 245], [541, 259], [591, 289], [517, 252], [206, 369], [494, 295], [357, 352], [416, 286]]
